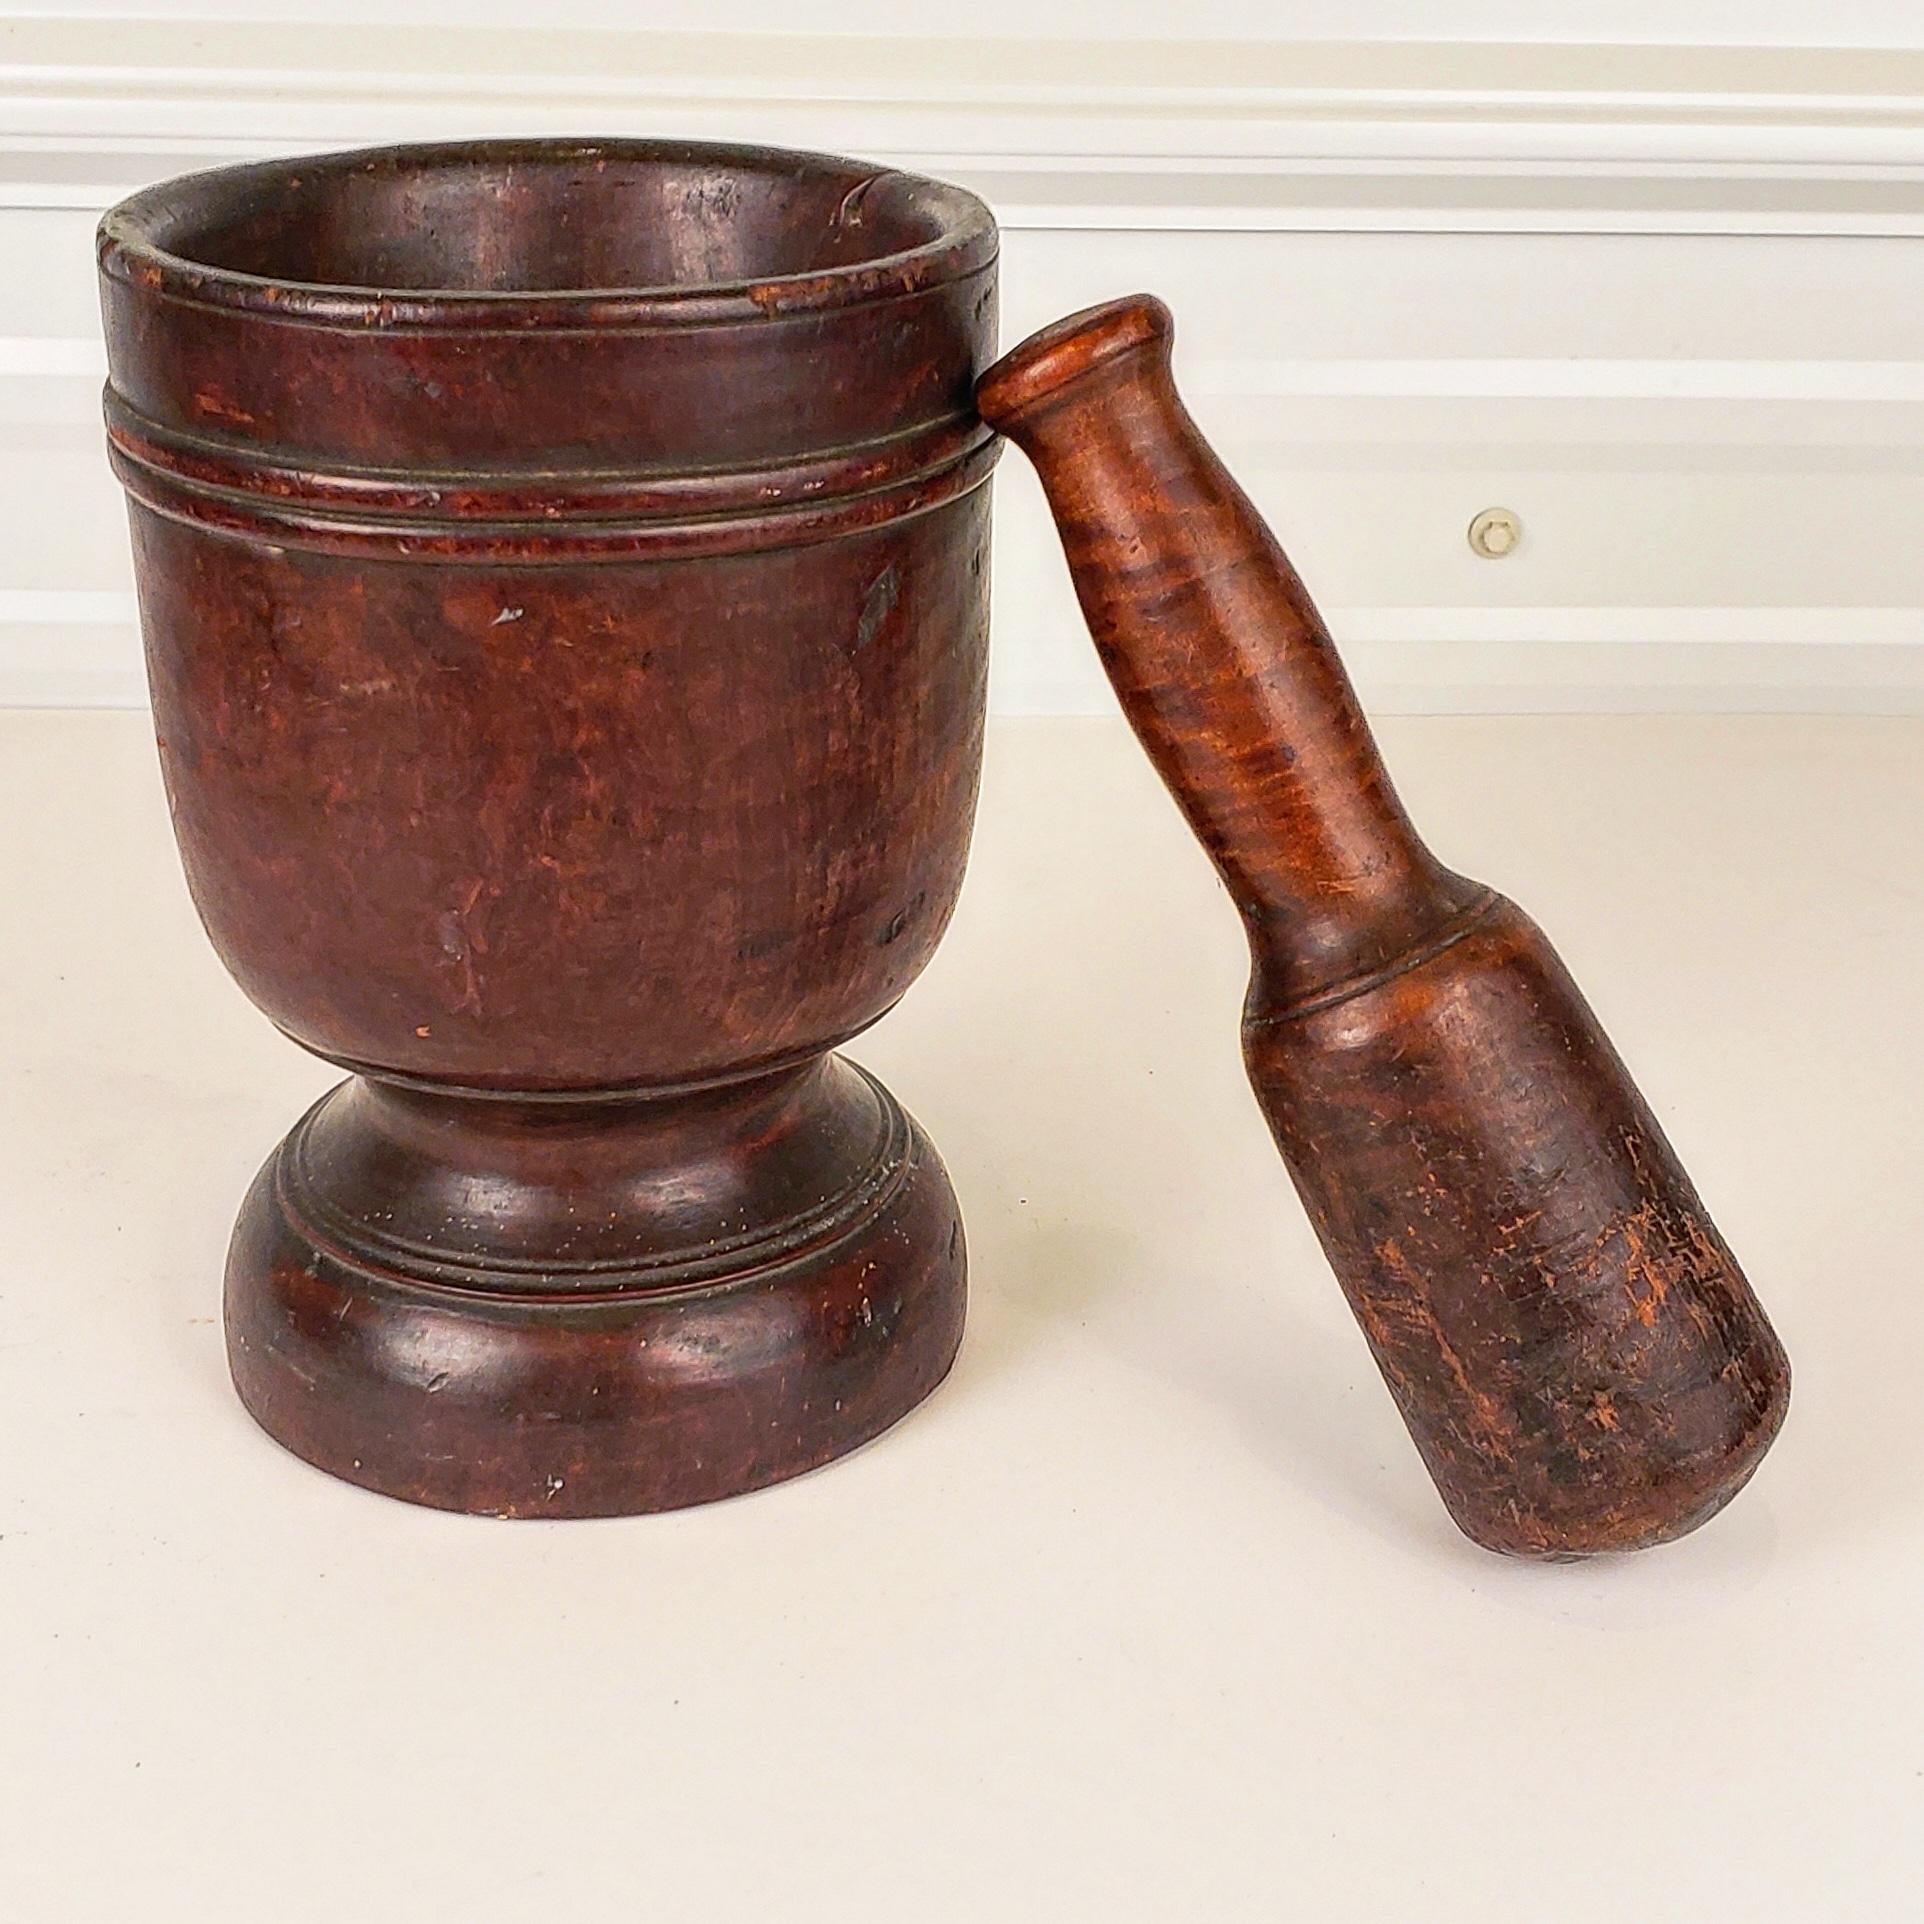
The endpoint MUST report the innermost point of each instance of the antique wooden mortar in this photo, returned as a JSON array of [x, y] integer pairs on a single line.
[[1578, 1357], [562, 569]]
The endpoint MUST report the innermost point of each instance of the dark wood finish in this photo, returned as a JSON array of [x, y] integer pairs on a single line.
[[563, 572], [1576, 1353]]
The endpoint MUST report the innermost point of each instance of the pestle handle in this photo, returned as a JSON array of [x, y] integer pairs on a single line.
[[1221, 662]]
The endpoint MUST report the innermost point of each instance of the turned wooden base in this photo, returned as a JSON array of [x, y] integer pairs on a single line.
[[593, 1307]]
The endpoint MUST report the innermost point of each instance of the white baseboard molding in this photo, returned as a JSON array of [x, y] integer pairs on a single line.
[[1660, 301], [1259, 135]]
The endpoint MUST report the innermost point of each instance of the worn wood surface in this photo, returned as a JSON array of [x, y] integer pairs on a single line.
[[1573, 1347], [563, 573]]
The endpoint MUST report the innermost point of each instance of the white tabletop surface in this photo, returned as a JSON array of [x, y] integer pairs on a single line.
[[1150, 1612]]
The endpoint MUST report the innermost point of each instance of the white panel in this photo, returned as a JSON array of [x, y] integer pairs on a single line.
[[1661, 306], [1718, 484], [1835, 23]]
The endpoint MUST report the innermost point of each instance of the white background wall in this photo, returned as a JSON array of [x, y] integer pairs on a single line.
[[1648, 275], [1797, 23]]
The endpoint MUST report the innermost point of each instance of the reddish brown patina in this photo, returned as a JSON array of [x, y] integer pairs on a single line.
[[1576, 1353], [563, 570]]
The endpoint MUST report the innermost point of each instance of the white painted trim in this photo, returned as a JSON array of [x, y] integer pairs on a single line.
[[1172, 138], [67, 608], [1536, 378], [1257, 136], [51, 357], [1562, 626]]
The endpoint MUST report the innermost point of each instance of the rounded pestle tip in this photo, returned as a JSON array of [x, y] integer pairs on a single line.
[[1049, 364]]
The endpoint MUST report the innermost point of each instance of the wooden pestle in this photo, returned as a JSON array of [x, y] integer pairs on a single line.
[[1573, 1347]]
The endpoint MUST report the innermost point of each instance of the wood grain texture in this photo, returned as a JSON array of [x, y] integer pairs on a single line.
[[563, 575], [1575, 1351]]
